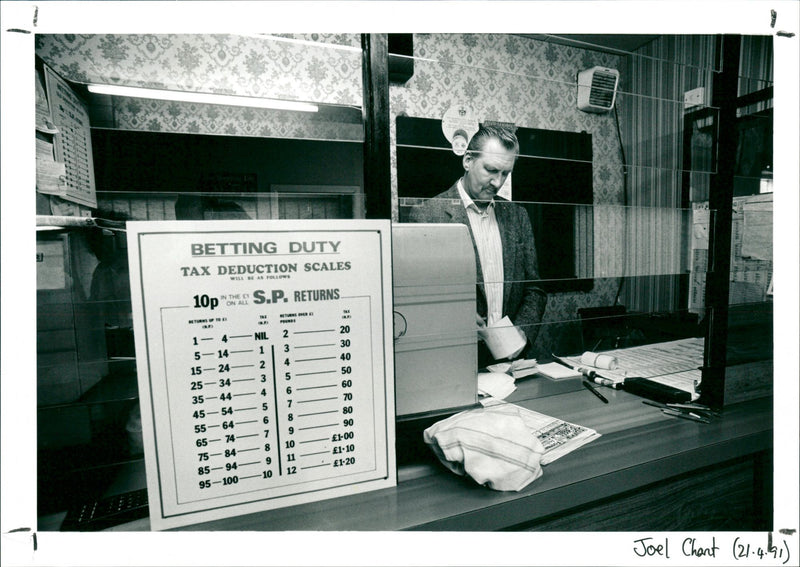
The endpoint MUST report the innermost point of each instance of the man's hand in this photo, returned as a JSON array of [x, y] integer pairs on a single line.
[[481, 327]]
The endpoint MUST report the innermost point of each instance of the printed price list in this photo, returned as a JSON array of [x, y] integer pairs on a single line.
[[73, 142], [269, 397], [264, 362]]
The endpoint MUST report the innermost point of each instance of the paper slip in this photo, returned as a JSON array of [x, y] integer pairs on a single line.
[[495, 384], [556, 371], [517, 369], [503, 338]]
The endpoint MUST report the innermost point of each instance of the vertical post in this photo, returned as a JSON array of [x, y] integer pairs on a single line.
[[720, 202], [377, 173]]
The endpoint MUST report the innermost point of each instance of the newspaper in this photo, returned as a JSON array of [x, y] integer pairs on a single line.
[[558, 437]]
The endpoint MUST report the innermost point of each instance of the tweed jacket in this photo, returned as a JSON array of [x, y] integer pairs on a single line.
[[523, 302]]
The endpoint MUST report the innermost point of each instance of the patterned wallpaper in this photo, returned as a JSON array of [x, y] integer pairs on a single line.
[[164, 116], [501, 77], [324, 69], [511, 79], [531, 83]]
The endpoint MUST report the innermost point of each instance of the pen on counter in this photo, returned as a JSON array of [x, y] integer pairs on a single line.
[[684, 415], [591, 388], [694, 407], [656, 404], [593, 377], [690, 409], [677, 412], [605, 382], [589, 373]]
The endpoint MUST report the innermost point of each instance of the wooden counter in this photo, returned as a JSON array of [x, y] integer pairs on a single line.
[[648, 471]]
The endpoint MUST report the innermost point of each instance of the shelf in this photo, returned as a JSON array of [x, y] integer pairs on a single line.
[[116, 387]]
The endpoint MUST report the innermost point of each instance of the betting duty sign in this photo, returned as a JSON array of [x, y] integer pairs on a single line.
[[264, 359]]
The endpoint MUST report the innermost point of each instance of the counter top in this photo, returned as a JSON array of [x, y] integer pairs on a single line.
[[638, 446]]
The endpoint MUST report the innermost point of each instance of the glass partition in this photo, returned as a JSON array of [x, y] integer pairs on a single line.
[[609, 245], [279, 134], [240, 144], [618, 150], [614, 181]]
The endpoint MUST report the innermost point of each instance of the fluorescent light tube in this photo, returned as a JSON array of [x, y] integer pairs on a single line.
[[203, 98]]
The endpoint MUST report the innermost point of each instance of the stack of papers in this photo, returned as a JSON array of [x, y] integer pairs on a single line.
[[556, 371], [674, 363], [517, 369]]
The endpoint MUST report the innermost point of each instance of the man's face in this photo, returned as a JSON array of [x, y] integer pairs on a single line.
[[486, 173]]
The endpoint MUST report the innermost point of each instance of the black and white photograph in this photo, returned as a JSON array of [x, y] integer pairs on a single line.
[[400, 283]]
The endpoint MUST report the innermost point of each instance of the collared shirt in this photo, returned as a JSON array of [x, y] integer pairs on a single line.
[[486, 232]]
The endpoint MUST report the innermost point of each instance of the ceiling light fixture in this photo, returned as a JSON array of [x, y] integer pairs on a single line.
[[203, 98]]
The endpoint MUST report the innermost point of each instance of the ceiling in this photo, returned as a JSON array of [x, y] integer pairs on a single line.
[[610, 43]]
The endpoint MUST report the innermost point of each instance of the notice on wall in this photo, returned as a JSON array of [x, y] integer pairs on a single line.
[[751, 263], [264, 358], [73, 142], [50, 264]]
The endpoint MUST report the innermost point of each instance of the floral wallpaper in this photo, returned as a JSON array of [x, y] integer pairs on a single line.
[[324, 69], [531, 83], [515, 79], [186, 118], [500, 77]]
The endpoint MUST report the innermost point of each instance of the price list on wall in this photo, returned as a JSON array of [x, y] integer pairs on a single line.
[[264, 362], [73, 142]]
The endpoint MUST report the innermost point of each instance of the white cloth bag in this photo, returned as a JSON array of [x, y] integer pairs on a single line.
[[492, 445]]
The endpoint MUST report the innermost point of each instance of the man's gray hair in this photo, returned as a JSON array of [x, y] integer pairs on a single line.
[[502, 134]]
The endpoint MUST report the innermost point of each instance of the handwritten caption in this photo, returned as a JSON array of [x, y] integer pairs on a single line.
[[752, 547]]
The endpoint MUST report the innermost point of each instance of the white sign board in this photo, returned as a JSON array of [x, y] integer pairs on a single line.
[[264, 358]]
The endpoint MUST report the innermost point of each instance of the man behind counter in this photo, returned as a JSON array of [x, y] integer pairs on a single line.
[[501, 234]]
